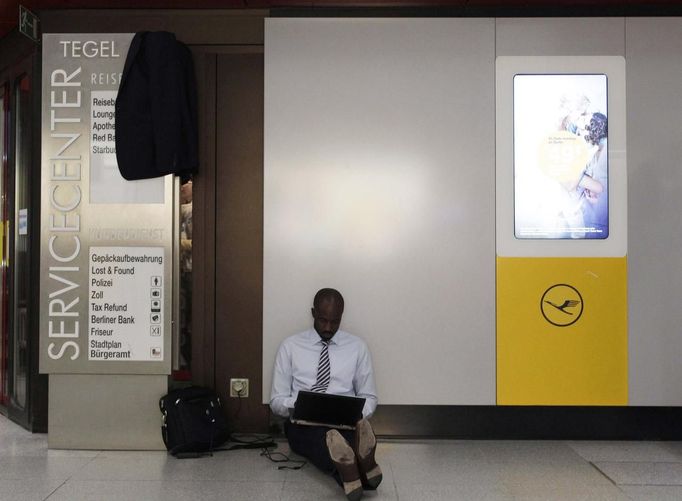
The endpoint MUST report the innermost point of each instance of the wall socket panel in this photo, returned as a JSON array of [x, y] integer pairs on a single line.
[[239, 387]]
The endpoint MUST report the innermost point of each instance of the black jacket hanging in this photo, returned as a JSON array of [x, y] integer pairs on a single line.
[[156, 109]]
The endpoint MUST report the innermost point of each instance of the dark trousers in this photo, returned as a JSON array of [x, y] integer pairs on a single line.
[[310, 442]]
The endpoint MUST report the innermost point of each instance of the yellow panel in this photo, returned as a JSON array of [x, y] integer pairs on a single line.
[[562, 331]]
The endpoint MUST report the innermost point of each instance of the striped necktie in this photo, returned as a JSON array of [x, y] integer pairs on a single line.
[[323, 372]]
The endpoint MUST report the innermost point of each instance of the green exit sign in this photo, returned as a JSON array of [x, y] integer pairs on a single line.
[[28, 23]]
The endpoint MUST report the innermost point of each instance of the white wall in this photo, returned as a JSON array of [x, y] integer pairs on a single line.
[[379, 176], [654, 59]]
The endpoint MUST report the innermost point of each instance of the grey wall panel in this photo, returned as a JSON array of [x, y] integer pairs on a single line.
[[379, 180], [592, 36], [94, 411], [654, 83], [342, 95]]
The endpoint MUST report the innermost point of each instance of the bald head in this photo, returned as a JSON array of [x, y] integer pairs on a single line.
[[328, 295], [327, 311]]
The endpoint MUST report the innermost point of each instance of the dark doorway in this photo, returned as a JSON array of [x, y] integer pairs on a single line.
[[228, 231]]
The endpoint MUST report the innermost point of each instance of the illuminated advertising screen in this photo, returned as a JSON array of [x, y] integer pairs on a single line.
[[561, 156]]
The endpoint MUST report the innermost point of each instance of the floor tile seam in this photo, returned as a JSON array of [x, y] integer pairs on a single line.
[[515, 455], [184, 479], [55, 489], [602, 473], [432, 443], [85, 465], [638, 462], [628, 484], [167, 481], [30, 477], [599, 460], [625, 493], [44, 474], [91, 459], [393, 480]]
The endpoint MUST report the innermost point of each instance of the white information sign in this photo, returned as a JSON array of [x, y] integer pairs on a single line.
[[126, 303], [106, 183], [103, 138]]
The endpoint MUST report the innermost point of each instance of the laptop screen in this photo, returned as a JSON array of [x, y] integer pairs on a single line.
[[327, 409]]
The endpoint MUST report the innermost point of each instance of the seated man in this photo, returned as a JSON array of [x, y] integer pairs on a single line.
[[330, 360]]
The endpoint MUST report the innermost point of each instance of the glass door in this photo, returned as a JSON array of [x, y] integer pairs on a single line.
[[4, 337], [23, 391], [18, 242]]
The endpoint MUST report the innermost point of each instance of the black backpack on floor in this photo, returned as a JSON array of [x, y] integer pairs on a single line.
[[193, 421]]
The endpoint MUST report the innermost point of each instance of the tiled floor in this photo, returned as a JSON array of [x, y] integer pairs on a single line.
[[413, 470]]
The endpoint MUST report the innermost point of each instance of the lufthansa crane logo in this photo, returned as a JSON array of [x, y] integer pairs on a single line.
[[561, 305]]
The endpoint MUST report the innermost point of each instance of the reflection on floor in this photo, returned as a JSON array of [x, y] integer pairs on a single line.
[[413, 470]]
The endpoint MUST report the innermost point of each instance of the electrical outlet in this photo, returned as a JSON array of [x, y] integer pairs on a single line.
[[239, 387]]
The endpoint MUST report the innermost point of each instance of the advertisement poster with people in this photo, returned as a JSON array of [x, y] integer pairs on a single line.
[[561, 156]]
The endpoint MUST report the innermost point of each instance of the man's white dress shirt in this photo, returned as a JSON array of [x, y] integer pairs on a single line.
[[296, 369]]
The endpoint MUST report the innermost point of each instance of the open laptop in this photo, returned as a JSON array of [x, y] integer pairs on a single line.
[[325, 409]]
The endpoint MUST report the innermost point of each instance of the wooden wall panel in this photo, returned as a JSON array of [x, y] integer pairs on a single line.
[[203, 244], [239, 235]]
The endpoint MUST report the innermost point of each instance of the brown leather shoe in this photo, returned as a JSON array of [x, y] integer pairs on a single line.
[[343, 457], [365, 447]]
